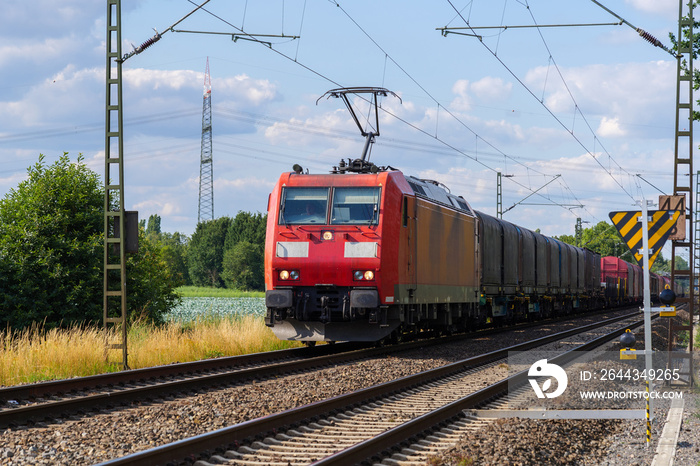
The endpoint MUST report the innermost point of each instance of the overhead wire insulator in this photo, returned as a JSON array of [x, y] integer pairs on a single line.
[[143, 46], [148, 43], [157, 37], [648, 37], [654, 41]]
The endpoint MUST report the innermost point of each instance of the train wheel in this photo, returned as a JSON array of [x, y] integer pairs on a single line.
[[397, 336], [383, 342]]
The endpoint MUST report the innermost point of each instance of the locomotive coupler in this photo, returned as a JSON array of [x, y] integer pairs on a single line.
[[326, 313], [346, 308], [301, 312]]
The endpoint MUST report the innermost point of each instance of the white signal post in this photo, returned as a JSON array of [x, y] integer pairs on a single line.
[[647, 315]]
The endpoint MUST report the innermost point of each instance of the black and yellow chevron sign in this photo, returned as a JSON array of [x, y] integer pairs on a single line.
[[660, 224]]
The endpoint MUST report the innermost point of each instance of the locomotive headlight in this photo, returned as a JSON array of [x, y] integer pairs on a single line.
[[327, 235], [363, 275], [289, 275]]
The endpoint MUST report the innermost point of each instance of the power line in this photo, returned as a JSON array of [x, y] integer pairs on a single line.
[[541, 101]]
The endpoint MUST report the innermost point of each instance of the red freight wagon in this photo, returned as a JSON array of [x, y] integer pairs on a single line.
[[622, 280]]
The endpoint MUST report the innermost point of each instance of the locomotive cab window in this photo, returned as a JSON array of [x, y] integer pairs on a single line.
[[304, 206], [355, 206]]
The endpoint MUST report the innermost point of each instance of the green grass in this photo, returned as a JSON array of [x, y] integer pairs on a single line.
[[37, 354], [207, 292]]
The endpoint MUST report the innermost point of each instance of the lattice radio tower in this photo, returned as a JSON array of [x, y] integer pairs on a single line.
[[206, 165]]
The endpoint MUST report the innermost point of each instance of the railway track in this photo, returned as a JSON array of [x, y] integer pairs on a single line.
[[40, 402], [356, 426], [35, 402]]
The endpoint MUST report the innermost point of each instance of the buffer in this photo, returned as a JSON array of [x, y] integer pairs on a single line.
[[660, 224]]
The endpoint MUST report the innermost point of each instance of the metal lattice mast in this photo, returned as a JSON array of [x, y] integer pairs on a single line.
[[696, 260], [114, 217], [683, 182], [206, 165], [499, 196]]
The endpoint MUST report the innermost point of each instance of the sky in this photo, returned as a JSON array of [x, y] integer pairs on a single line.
[[578, 119]]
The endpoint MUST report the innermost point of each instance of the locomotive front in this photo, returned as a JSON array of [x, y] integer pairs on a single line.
[[323, 255]]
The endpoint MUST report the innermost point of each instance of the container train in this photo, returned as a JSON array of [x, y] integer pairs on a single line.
[[367, 253]]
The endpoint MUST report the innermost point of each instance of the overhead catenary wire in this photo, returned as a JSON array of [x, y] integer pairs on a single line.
[[335, 2], [520, 81], [321, 75]]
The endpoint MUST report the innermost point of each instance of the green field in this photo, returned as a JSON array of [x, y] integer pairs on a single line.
[[208, 292]]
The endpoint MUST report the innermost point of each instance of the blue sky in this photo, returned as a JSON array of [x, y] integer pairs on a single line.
[[594, 104]]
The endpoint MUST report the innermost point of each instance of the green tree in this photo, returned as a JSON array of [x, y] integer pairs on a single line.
[[568, 239], [51, 244], [243, 267], [685, 42], [153, 226], [681, 264], [173, 247], [150, 284], [247, 227], [245, 238], [602, 238], [51, 251], [205, 253]]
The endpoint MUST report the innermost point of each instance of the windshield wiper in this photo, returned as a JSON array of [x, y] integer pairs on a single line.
[[374, 214], [282, 218]]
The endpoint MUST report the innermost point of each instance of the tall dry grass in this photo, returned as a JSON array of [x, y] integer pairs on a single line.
[[37, 354]]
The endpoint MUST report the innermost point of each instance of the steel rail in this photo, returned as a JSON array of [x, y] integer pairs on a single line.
[[429, 421], [40, 389], [239, 433], [53, 409]]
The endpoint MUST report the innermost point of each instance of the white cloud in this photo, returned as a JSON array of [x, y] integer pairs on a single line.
[[38, 52], [303, 132], [239, 88], [141, 78], [486, 89], [490, 89], [244, 183], [622, 91], [666, 7], [610, 127], [24, 18], [462, 102]]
